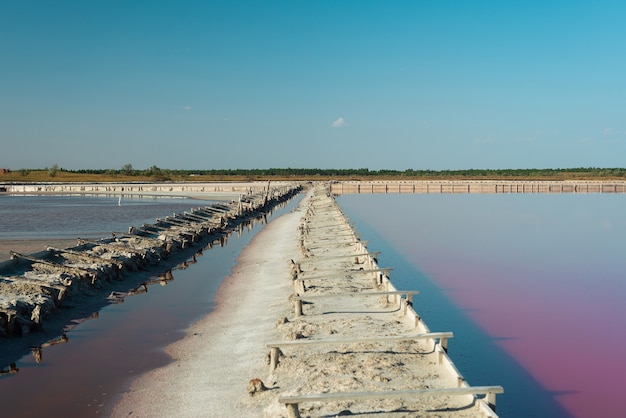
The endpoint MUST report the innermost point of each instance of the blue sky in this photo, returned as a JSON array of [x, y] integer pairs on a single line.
[[312, 84]]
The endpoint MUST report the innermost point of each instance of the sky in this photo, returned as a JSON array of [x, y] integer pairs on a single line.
[[422, 84]]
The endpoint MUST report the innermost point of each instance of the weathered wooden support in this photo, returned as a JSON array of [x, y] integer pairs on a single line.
[[333, 245], [217, 210], [343, 275], [60, 288], [156, 228], [95, 258], [175, 221], [292, 402], [299, 299], [132, 233], [334, 257], [334, 236], [342, 226], [276, 346], [93, 275], [138, 258], [300, 281], [201, 219], [408, 293], [116, 246]]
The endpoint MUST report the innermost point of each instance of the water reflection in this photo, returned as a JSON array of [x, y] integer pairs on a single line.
[[99, 359], [538, 279]]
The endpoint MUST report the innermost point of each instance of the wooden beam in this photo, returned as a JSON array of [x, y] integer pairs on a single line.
[[202, 219], [314, 258], [86, 256], [115, 245], [342, 225], [391, 338], [92, 274], [409, 293], [299, 299], [385, 270], [275, 347], [292, 401]]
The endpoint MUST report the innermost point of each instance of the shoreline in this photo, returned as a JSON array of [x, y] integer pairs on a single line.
[[219, 354], [223, 353], [37, 304]]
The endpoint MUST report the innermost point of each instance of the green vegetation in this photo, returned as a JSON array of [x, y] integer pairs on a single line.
[[155, 174], [52, 171]]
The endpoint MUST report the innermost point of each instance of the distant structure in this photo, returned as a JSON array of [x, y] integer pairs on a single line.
[[4, 170]]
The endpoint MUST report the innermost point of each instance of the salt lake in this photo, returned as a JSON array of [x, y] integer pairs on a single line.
[[531, 285]]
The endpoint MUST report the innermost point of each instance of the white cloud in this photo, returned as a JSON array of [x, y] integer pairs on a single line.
[[339, 123], [607, 131], [186, 107]]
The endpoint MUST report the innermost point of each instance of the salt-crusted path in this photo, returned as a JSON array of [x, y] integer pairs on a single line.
[[213, 365], [222, 352]]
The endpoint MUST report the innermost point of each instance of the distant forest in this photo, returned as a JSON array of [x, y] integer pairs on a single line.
[[366, 173], [154, 173]]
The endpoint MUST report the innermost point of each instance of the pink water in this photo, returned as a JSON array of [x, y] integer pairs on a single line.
[[543, 276]]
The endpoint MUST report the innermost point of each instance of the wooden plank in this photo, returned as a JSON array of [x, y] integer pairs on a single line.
[[356, 294], [202, 219], [342, 225], [315, 258], [385, 270], [93, 258], [157, 241], [299, 299], [34, 282], [91, 273], [340, 396], [114, 245], [332, 243], [429, 335]]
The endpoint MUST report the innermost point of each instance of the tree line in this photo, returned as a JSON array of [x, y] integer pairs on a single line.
[[154, 171]]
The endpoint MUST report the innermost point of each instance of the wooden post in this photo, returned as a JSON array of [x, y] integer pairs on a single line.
[[273, 358], [444, 344], [298, 305], [292, 410]]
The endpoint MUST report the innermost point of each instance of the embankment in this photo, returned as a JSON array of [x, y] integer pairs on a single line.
[[36, 287]]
